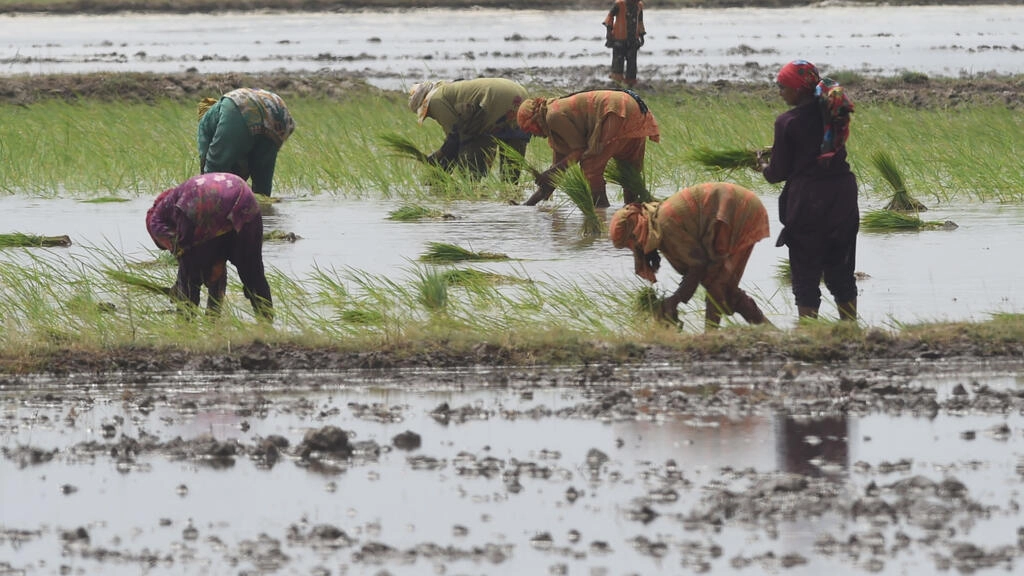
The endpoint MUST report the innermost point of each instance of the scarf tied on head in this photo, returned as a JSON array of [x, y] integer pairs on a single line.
[[836, 106], [419, 98], [635, 227], [532, 116], [205, 104]]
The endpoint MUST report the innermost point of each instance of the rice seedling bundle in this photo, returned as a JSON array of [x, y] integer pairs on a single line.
[[139, 282], [472, 277], [901, 199], [516, 159], [575, 185], [280, 236], [896, 220], [442, 252], [401, 146], [626, 175], [410, 212], [726, 158], [20, 240], [647, 302]]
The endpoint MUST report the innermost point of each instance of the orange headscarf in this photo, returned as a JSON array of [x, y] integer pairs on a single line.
[[634, 227], [532, 116]]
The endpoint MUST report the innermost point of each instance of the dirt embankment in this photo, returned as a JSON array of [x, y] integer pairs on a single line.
[[915, 90]]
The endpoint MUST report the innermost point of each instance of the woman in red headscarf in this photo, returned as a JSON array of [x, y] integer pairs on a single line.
[[818, 205], [707, 232], [590, 128]]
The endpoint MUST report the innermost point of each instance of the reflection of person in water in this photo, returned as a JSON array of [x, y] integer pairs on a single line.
[[798, 442]]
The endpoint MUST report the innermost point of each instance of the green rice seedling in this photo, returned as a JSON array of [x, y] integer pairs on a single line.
[[263, 200], [517, 159], [139, 281], [442, 253], [901, 201], [280, 236], [433, 291], [163, 259], [646, 301], [472, 277], [883, 220], [724, 158], [106, 200], [411, 212], [401, 146], [575, 185], [783, 270], [629, 178], [20, 240]]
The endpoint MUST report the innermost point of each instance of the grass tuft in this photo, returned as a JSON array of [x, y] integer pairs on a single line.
[[280, 236], [139, 282]]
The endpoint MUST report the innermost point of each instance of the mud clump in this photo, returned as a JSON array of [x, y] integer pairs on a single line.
[[329, 440], [407, 440]]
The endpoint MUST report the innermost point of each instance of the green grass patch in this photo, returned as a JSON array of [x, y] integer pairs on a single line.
[[887, 220], [413, 212]]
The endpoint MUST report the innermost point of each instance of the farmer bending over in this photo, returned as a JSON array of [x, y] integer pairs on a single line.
[[241, 133], [590, 128], [205, 222], [475, 115], [707, 233]]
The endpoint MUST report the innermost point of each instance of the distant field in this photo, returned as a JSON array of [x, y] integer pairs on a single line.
[[179, 6]]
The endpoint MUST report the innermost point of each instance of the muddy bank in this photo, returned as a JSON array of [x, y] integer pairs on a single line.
[[763, 349], [914, 90]]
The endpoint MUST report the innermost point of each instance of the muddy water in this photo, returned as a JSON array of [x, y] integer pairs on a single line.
[[906, 276], [514, 473], [394, 49]]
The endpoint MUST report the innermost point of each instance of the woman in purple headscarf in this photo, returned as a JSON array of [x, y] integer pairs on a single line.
[[818, 206]]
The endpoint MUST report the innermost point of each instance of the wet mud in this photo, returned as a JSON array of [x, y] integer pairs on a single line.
[[785, 468]]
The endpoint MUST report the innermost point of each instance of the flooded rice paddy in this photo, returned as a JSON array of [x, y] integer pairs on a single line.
[[895, 469], [396, 49], [887, 468], [959, 275]]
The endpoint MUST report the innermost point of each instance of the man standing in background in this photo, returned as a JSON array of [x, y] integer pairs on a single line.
[[624, 34]]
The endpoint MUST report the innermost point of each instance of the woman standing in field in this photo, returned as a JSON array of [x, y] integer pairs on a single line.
[[241, 133], [475, 115], [590, 128], [707, 232], [205, 222], [818, 205]]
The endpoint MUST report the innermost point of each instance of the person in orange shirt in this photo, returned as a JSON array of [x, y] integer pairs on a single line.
[[590, 128], [707, 232], [624, 34]]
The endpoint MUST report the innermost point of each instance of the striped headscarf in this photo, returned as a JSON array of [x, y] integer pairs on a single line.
[[532, 116], [205, 104], [634, 226], [800, 75], [419, 98]]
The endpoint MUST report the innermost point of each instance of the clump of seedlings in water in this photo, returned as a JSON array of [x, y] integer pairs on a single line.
[[442, 252], [20, 240], [629, 178], [727, 158], [516, 159], [783, 270], [901, 200], [280, 236], [575, 185], [647, 302], [473, 277], [901, 211], [412, 212], [105, 200]]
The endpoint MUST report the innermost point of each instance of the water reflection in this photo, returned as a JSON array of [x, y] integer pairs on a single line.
[[812, 446]]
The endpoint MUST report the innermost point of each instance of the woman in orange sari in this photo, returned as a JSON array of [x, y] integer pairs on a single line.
[[590, 128], [707, 232]]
